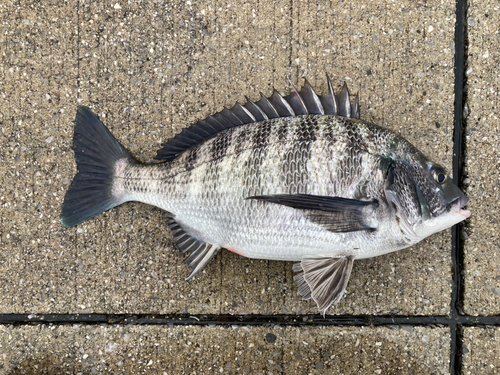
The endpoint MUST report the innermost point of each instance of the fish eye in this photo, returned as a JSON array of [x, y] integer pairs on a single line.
[[439, 175]]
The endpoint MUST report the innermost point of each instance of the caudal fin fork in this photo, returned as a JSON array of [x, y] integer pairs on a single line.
[[96, 153]]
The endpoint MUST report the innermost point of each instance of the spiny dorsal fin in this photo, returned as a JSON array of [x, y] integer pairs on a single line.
[[303, 102]]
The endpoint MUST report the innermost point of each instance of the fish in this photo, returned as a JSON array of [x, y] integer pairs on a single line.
[[294, 178]]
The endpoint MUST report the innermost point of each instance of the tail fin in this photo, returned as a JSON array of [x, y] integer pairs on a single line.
[[96, 154]]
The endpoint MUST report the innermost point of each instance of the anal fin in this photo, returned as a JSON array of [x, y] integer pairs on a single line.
[[200, 252], [324, 279]]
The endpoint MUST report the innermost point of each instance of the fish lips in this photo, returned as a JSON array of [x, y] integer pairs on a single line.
[[458, 204], [455, 198]]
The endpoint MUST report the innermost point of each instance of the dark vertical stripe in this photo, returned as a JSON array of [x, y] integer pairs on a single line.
[[328, 130], [309, 129], [220, 145], [294, 167], [353, 137], [263, 133], [282, 130], [259, 145], [241, 138], [351, 134], [252, 171], [191, 158]]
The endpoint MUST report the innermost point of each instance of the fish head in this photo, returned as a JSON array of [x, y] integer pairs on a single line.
[[423, 196]]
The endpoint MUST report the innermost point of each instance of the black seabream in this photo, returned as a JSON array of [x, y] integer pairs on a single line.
[[298, 178]]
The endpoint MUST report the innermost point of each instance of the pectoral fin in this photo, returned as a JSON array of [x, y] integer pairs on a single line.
[[323, 279], [335, 214]]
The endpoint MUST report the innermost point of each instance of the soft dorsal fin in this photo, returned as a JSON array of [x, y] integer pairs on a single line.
[[201, 252], [323, 279], [303, 102]]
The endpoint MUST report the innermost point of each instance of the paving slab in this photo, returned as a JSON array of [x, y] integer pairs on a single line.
[[482, 243], [222, 350], [480, 350], [38, 71], [150, 70]]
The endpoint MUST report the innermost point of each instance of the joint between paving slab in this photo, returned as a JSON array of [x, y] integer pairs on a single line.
[[218, 319], [457, 253]]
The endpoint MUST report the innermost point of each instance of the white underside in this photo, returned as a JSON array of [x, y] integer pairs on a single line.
[[276, 232]]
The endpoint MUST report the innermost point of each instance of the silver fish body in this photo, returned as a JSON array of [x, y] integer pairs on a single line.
[[315, 155], [320, 189]]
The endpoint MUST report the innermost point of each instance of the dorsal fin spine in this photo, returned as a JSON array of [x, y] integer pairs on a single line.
[[296, 101], [244, 114], [344, 102], [311, 100], [355, 107], [232, 117], [259, 114], [329, 101], [267, 107], [282, 106]]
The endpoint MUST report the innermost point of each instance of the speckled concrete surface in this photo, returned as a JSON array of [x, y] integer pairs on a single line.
[[150, 69], [223, 350], [38, 74], [480, 350], [482, 246]]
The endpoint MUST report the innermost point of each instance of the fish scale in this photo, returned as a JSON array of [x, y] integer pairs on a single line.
[[297, 178]]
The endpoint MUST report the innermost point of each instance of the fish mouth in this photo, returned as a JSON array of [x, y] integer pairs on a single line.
[[458, 204]]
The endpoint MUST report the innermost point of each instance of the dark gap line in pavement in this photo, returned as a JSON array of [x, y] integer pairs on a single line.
[[457, 244], [457, 252], [221, 319]]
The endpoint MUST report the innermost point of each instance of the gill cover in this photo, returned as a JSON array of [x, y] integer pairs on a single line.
[[402, 195]]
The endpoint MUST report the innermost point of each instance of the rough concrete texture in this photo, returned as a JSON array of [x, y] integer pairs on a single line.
[[150, 69], [482, 244], [480, 350], [223, 350]]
